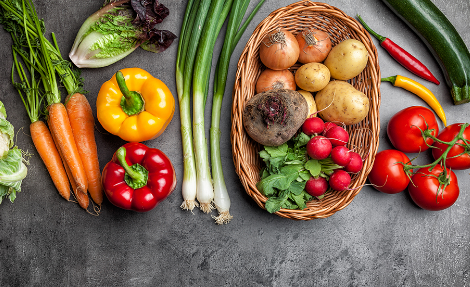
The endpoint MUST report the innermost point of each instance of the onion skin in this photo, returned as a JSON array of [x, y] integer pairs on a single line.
[[275, 79], [279, 55], [314, 45]]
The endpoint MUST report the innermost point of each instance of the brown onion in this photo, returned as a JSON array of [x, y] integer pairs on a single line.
[[275, 79], [279, 50], [314, 45]]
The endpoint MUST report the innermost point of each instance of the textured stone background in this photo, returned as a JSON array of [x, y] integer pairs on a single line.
[[378, 240]]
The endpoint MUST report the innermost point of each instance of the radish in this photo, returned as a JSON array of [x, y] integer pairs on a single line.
[[319, 147], [338, 136], [340, 155], [355, 164], [328, 126], [339, 180], [313, 125], [316, 186]]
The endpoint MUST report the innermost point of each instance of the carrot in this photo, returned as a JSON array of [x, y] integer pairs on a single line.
[[46, 148], [81, 197], [60, 127], [83, 126]]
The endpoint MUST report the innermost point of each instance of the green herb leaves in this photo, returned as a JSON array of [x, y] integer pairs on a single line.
[[286, 172]]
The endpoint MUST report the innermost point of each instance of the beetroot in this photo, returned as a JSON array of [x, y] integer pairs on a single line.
[[338, 136], [313, 125], [339, 180], [316, 186], [319, 147]]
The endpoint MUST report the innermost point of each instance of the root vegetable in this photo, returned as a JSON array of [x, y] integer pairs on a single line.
[[314, 45], [312, 77], [275, 79], [341, 155], [316, 186], [355, 164], [313, 126], [328, 126], [271, 118], [339, 180], [312, 107], [337, 136], [319, 147], [279, 50], [347, 59], [339, 101]]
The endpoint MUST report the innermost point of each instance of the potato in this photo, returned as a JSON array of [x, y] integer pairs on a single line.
[[347, 59], [273, 117], [339, 101], [312, 107], [312, 77]]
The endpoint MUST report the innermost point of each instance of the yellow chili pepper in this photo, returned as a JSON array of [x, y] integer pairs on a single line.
[[419, 90], [134, 105]]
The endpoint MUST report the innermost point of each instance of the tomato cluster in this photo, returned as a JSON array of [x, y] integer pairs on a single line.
[[433, 186]]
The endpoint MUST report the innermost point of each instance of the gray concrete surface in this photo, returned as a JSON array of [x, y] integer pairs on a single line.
[[378, 240]]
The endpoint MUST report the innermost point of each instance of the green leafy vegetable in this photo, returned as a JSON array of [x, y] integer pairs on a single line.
[[6, 133], [117, 29], [288, 167], [12, 164]]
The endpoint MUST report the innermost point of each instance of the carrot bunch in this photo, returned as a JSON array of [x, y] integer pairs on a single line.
[[67, 143]]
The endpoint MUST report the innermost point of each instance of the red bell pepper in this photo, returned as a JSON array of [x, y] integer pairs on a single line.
[[138, 177]]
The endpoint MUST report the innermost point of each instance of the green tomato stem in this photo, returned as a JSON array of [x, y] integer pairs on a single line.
[[443, 157]]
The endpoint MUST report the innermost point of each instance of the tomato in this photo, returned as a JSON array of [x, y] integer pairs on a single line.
[[458, 156], [427, 192], [404, 129], [387, 174]]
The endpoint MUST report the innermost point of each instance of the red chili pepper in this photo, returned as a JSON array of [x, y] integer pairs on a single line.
[[138, 177], [401, 56]]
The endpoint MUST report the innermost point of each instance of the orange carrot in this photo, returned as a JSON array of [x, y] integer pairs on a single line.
[[83, 127], [46, 148], [81, 197], [60, 126]]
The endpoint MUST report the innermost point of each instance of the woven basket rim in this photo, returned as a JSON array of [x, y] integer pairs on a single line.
[[243, 147]]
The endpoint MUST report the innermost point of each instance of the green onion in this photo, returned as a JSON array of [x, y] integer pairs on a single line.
[[233, 34], [202, 23], [218, 13], [189, 38]]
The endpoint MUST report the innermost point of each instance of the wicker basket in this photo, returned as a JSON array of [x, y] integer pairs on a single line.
[[363, 136]]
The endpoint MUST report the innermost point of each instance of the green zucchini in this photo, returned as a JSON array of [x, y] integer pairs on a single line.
[[442, 39]]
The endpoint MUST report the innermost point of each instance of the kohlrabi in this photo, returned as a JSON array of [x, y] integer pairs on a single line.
[[117, 29], [12, 164]]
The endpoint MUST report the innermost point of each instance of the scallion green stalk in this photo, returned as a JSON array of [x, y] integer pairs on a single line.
[[194, 18], [233, 34], [218, 12]]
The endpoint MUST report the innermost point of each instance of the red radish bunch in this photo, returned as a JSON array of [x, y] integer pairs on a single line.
[[329, 141]]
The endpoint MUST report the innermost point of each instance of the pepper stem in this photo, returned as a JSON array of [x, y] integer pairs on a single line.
[[379, 37], [390, 79], [136, 175], [132, 102]]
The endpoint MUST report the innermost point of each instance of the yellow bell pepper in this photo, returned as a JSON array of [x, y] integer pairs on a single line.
[[134, 105]]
